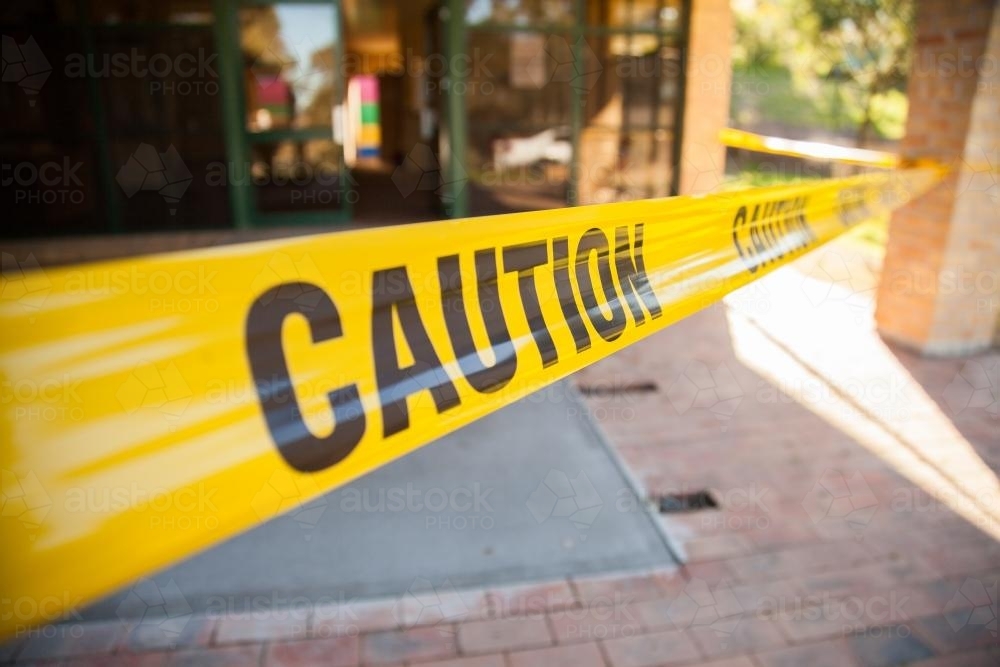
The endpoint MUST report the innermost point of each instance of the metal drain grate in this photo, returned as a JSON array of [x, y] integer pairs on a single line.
[[686, 502], [618, 390]]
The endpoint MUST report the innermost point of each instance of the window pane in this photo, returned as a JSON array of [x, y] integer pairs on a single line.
[[44, 94], [635, 14], [519, 101], [37, 13], [627, 143], [294, 176], [639, 83], [520, 12], [519, 170], [289, 52], [161, 11], [525, 85], [53, 189], [618, 166], [158, 81], [166, 182]]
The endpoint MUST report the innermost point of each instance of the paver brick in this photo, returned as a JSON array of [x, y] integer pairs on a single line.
[[656, 614], [527, 599], [251, 629], [226, 656], [619, 588], [960, 630], [575, 655], [969, 659], [493, 660], [433, 607], [742, 661], [425, 643], [145, 659], [656, 648], [832, 653], [595, 621], [881, 647], [505, 634], [190, 632], [65, 640], [746, 635], [355, 617], [336, 652]]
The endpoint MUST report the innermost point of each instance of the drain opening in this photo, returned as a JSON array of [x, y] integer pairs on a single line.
[[619, 390], [686, 502]]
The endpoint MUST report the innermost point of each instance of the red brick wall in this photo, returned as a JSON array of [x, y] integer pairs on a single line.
[[940, 291]]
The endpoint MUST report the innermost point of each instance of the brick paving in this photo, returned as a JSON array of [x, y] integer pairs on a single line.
[[856, 521]]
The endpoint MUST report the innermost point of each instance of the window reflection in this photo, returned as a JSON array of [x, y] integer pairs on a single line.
[[187, 12], [296, 175], [289, 56], [625, 73], [635, 14], [520, 141], [519, 12]]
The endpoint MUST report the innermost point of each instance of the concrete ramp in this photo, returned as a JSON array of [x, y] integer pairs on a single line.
[[530, 492]]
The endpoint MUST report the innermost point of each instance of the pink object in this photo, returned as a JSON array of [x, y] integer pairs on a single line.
[[369, 88], [272, 91]]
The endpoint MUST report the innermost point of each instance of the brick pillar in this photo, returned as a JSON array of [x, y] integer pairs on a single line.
[[706, 109], [940, 288]]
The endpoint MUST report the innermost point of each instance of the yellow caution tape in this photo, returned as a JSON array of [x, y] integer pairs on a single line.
[[807, 149], [813, 150], [155, 406]]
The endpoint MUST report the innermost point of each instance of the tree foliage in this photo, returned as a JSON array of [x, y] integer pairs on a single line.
[[864, 44], [859, 48]]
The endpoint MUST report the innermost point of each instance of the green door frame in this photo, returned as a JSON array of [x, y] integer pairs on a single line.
[[238, 139], [457, 113]]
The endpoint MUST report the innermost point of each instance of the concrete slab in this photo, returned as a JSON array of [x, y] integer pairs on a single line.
[[530, 492]]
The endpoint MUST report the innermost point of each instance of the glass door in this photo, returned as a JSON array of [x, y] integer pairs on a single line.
[[580, 103], [293, 129]]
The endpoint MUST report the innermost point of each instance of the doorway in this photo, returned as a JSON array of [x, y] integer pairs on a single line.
[[291, 91], [580, 102]]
